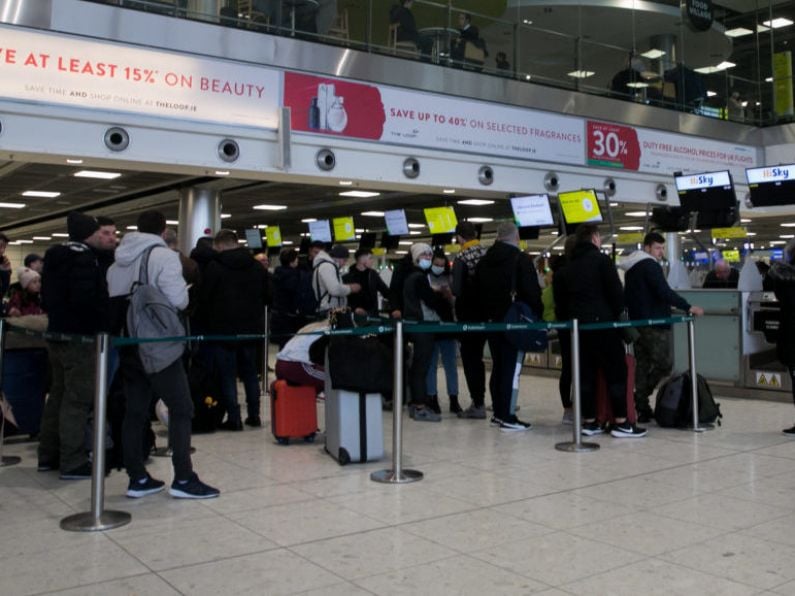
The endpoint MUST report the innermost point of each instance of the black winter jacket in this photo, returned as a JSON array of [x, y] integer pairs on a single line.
[[500, 266], [74, 291], [588, 287], [782, 276], [286, 281], [418, 289], [647, 293], [234, 291], [372, 285]]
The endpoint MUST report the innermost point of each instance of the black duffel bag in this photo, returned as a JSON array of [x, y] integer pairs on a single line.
[[362, 364]]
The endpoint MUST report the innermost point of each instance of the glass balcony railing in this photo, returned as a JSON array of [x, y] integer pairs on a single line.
[[737, 68]]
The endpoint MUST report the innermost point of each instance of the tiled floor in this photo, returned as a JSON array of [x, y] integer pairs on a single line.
[[674, 513]]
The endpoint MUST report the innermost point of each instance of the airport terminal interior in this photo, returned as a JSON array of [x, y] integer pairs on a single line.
[[382, 124]]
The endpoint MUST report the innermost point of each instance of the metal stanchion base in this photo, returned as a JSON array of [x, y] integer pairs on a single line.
[[389, 477], [85, 522], [573, 447], [699, 429], [166, 451], [9, 460]]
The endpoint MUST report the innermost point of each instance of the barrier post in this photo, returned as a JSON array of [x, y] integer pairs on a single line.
[[97, 519], [691, 348], [266, 354], [576, 445], [397, 475], [5, 460]]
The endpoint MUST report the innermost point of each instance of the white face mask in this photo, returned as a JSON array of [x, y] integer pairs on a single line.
[[436, 270], [424, 264]]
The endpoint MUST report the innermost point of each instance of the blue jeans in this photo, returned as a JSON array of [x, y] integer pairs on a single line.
[[447, 348], [233, 361]]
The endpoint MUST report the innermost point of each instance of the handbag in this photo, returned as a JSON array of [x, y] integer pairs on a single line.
[[360, 364], [524, 340]]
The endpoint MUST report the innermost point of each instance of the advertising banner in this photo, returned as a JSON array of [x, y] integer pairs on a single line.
[[330, 106], [52, 68]]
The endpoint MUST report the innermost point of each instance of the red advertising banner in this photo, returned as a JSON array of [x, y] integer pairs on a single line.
[[612, 146]]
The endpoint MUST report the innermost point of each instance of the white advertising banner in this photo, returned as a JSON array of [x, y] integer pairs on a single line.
[[405, 117], [52, 68]]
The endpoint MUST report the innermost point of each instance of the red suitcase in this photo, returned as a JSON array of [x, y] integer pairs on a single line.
[[293, 412], [604, 412]]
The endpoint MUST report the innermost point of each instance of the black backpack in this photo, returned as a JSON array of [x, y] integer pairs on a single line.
[[674, 406]]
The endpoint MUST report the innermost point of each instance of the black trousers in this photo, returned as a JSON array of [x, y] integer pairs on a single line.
[[603, 350], [564, 383], [503, 368], [422, 345], [170, 385], [474, 371]]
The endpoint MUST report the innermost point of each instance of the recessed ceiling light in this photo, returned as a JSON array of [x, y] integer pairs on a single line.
[[308, 220], [449, 191], [637, 85], [527, 21], [416, 225], [75, 162], [480, 219], [737, 32], [373, 213], [12, 205], [42, 237], [527, 77], [653, 54], [172, 222], [242, 241], [614, 204], [745, 220], [475, 202], [414, 233], [788, 225], [786, 235], [718, 68], [631, 228], [44, 194], [267, 207], [132, 227], [60, 235], [401, 252], [405, 243], [96, 174], [227, 215], [777, 242], [25, 241], [636, 213], [761, 28], [359, 230], [769, 80], [287, 242], [222, 172], [750, 233], [711, 93], [777, 23], [581, 74], [359, 194], [346, 182]]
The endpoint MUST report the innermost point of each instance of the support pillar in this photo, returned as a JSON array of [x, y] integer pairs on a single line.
[[678, 277], [199, 215]]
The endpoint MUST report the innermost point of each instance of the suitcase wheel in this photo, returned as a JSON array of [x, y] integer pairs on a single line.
[[343, 457], [282, 440], [309, 438]]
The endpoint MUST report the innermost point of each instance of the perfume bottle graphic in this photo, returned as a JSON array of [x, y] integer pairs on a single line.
[[337, 118], [314, 115]]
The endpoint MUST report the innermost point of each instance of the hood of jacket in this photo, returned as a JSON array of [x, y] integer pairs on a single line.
[[321, 257], [633, 259], [132, 245], [236, 258]]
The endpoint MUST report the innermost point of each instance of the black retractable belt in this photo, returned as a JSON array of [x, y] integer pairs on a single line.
[[362, 426]]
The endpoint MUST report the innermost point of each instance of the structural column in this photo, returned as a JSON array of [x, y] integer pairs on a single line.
[[678, 277], [199, 215]]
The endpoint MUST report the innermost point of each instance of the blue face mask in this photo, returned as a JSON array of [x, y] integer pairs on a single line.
[[424, 264], [436, 270]]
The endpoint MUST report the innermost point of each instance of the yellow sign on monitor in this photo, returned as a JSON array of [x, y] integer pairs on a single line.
[[733, 232], [378, 252], [343, 229], [580, 206], [274, 236], [452, 249], [441, 220], [631, 238], [733, 256]]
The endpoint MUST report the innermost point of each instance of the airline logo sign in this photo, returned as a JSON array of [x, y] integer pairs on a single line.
[[710, 180], [768, 379], [774, 174]]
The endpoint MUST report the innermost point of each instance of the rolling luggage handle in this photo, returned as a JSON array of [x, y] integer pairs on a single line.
[[691, 348], [5, 460], [397, 475]]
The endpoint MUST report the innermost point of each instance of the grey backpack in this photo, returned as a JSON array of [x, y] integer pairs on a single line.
[[150, 315]]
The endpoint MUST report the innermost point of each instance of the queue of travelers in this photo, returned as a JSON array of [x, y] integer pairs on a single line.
[[84, 286]]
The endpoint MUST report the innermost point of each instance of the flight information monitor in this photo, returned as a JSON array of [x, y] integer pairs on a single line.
[[532, 211], [396, 223], [254, 238], [708, 191], [773, 185], [580, 206], [441, 220], [320, 230]]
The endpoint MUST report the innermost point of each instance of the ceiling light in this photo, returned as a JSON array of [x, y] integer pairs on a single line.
[[44, 194], [132, 227], [711, 93], [761, 28], [172, 222], [653, 54], [416, 225], [60, 235], [636, 213], [786, 236], [745, 220], [304, 234], [750, 233], [631, 228], [581, 74], [12, 205], [553, 233], [614, 204], [777, 23], [227, 215], [346, 182], [42, 237], [475, 202], [788, 225], [737, 32], [267, 207], [222, 172], [25, 241], [769, 80], [527, 77], [308, 220], [75, 162], [359, 230], [401, 252], [414, 233], [405, 243], [449, 191], [95, 174], [637, 85], [359, 194], [373, 213], [777, 242], [527, 21], [242, 241], [287, 242], [712, 69], [480, 219]]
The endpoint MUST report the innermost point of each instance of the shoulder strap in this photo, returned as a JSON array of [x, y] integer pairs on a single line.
[[143, 270]]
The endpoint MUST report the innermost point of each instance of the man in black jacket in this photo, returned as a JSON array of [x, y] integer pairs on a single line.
[[232, 300], [407, 27], [365, 302], [75, 296], [588, 289], [648, 296], [502, 270]]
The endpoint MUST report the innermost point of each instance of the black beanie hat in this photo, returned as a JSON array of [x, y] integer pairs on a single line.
[[80, 226]]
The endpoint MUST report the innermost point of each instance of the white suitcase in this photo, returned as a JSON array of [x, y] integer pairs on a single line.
[[354, 426]]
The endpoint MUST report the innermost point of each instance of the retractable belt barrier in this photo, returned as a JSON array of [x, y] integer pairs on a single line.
[[98, 519]]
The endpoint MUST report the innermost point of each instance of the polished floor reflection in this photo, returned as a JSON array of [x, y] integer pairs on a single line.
[[674, 513]]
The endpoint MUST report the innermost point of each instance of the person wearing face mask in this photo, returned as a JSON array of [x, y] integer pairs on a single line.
[[421, 302], [445, 345]]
